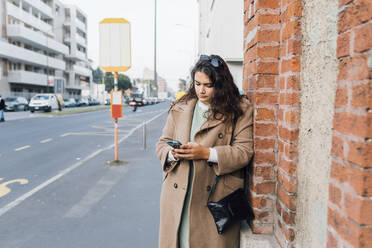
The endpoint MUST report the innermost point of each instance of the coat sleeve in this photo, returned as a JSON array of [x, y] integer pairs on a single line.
[[237, 155], [162, 148]]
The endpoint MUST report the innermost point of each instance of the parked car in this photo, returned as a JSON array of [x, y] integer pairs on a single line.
[[92, 101], [69, 102], [151, 100], [16, 103], [44, 102], [82, 102]]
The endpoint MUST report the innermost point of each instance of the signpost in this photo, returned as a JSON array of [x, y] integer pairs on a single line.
[[115, 56]]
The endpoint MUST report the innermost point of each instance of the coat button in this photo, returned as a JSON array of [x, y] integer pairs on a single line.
[[208, 188], [175, 185], [220, 135]]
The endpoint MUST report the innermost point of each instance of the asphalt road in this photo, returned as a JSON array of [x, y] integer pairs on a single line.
[[56, 191]]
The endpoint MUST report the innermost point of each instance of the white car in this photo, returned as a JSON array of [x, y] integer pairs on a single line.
[[44, 102]]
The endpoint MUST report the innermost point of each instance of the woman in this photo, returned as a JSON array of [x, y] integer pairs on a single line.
[[203, 120]]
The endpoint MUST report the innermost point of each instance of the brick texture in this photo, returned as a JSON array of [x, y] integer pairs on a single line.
[[271, 80], [260, 83], [350, 189], [288, 121]]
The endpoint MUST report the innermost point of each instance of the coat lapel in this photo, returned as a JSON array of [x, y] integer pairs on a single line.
[[184, 121], [210, 124]]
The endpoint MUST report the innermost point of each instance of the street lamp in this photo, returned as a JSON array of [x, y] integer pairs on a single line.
[[155, 74]]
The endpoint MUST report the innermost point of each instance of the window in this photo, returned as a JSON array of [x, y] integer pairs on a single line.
[[57, 10]]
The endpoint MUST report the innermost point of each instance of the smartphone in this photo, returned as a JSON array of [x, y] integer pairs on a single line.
[[174, 143]]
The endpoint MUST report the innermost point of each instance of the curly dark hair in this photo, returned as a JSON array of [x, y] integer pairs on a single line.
[[225, 102]]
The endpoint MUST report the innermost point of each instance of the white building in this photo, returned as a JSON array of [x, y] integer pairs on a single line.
[[221, 32], [43, 48]]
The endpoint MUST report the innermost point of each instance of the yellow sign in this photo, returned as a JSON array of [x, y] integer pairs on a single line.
[[115, 45]]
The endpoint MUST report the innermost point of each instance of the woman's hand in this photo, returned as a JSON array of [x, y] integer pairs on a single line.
[[191, 151]]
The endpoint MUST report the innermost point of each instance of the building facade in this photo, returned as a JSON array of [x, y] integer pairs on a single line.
[[216, 35], [43, 48]]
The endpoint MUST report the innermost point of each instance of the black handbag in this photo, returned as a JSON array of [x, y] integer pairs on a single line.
[[232, 208]]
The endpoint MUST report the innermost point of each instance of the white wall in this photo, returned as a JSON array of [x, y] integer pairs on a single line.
[[221, 28], [99, 92], [318, 86]]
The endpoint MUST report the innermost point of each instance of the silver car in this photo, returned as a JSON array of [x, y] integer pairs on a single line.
[[16, 104]]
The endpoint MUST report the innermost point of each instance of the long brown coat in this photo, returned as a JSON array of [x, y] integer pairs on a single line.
[[213, 133]]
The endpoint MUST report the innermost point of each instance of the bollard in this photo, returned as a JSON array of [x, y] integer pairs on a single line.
[[144, 136]]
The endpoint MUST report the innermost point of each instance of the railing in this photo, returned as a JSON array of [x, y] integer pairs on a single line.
[[81, 25], [42, 7], [27, 77], [37, 39], [28, 18], [27, 56], [81, 40]]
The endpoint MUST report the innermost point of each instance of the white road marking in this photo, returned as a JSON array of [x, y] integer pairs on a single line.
[[65, 134], [22, 148], [45, 141], [109, 133], [95, 194], [20, 199]]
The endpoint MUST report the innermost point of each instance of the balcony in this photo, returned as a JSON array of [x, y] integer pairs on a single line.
[[81, 25], [27, 77], [40, 6], [28, 36], [28, 18], [82, 41], [80, 70], [74, 87], [81, 55], [67, 22], [76, 55], [67, 40], [22, 55]]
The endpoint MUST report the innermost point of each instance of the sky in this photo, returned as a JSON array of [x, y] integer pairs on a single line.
[[177, 22]]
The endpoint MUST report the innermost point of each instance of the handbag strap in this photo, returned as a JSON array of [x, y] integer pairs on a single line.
[[218, 177], [213, 187]]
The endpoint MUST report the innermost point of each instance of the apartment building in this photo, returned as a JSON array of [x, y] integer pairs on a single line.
[[221, 32], [43, 48]]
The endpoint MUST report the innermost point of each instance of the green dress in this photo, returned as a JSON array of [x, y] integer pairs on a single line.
[[183, 234]]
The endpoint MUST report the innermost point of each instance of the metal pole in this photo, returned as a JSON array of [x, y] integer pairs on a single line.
[[144, 136], [116, 139], [155, 74], [116, 119], [116, 81]]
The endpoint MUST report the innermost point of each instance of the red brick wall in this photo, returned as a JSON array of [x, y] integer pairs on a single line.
[[350, 188], [288, 120], [272, 48], [260, 83]]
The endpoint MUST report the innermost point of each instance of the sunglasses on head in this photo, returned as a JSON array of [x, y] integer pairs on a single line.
[[215, 62]]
